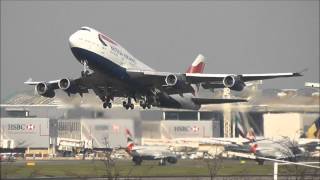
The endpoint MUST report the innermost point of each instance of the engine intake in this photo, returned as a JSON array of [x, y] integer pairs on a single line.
[[175, 80], [171, 80], [233, 82], [64, 84], [44, 90]]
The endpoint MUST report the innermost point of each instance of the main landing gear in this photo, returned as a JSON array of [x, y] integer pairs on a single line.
[[107, 102], [128, 104], [144, 104]]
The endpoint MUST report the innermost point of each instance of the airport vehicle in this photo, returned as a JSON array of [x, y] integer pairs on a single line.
[[111, 71], [140, 153]]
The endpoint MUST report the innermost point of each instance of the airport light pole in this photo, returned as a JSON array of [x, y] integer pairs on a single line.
[[226, 114]]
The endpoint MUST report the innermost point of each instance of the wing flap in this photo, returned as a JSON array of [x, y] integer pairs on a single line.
[[216, 101]]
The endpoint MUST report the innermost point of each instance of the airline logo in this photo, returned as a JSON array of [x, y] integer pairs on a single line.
[[105, 39]]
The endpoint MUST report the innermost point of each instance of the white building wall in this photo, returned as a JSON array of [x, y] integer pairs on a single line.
[[286, 124]]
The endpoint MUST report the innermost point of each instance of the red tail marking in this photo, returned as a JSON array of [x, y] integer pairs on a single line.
[[196, 69], [253, 148]]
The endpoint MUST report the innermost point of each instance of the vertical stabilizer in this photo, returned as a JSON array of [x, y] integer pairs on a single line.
[[130, 142], [198, 65]]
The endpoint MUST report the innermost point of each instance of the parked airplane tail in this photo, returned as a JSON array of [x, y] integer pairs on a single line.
[[198, 65], [250, 135], [130, 142], [314, 130]]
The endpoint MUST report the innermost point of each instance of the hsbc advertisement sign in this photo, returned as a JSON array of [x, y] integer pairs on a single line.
[[22, 127], [187, 128], [26, 132], [180, 129]]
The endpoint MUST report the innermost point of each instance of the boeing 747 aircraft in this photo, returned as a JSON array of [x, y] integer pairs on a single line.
[[111, 71]]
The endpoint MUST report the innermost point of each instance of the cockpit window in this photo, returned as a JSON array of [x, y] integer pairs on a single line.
[[84, 28]]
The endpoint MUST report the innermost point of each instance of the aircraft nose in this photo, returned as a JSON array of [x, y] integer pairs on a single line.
[[73, 40]]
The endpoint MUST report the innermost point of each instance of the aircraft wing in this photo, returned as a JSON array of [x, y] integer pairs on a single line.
[[155, 78], [208, 78], [95, 81]]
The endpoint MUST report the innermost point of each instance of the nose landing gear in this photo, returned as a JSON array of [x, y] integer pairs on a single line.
[[85, 71], [107, 102]]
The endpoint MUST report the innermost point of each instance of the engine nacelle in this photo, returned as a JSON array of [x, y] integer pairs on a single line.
[[175, 80], [64, 84], [233, 82], [68, 86], [44, 90]]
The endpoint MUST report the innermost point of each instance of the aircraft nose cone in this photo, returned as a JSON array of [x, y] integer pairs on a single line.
[[73, 40]]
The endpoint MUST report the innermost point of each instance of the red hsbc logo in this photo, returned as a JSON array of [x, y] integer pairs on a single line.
[[31, 127]]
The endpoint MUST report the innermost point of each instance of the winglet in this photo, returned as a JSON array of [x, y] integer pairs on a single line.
[[301, 72], [30, 82]]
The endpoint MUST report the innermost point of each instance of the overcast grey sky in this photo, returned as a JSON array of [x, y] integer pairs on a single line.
[[234, 36]]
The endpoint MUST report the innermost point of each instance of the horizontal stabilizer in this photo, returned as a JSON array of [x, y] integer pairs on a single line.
[[216, 101]]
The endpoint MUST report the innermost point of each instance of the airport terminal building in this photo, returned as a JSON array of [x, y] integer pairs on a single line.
[[46, 127]]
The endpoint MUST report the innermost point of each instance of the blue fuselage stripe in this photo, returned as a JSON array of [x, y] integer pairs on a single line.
[[102, 64]]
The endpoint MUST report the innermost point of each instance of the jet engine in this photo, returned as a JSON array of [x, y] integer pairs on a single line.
[[68, 86], [233, 82], [44, 89], [64, 84], [175, 80]]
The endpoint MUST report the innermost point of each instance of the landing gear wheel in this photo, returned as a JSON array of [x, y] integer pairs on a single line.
[[148, 106], [132, 106], [104, 105], [107, 104], [137, 160], [84, 73]]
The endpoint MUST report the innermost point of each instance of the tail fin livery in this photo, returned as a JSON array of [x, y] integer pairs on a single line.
[[198, 65], [253, 148], [314, 130], [130, 142]]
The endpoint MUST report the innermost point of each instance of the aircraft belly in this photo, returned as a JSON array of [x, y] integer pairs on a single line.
[[100, 63]]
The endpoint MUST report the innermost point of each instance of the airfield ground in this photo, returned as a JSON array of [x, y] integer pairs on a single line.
[[125, 168]]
